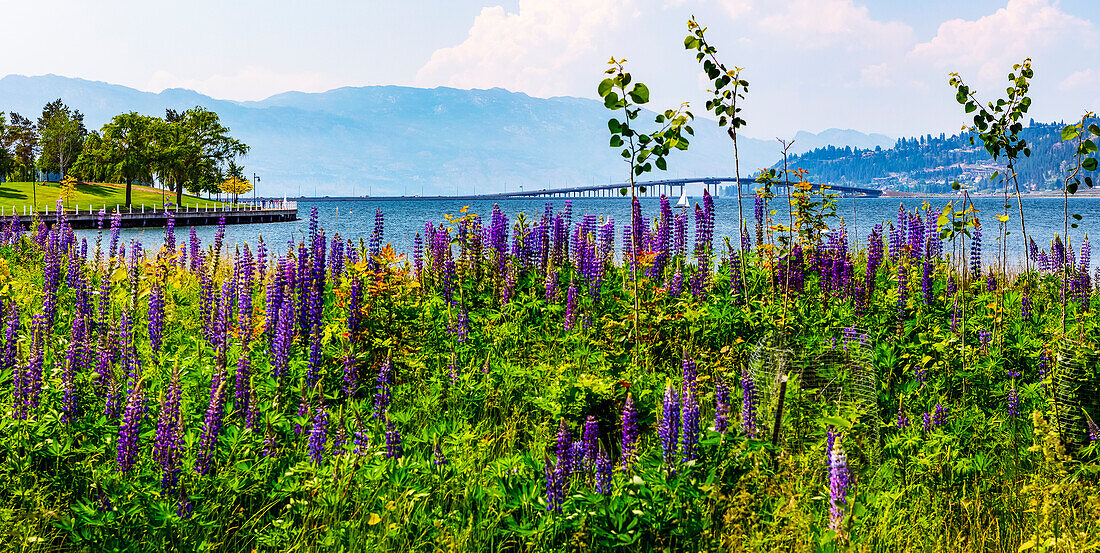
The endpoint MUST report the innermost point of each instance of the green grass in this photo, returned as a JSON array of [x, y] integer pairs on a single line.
[[19, 194]]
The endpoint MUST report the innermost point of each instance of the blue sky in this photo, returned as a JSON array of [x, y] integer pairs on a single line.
[[875, 66]]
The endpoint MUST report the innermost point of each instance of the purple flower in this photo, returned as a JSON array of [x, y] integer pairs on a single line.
[[211, 425], [939, 417], [571, 307], [591, 441], [976, 253], [438, 458], [383, 388], [839, 483], [669, 429], [156, 316], [689, 424], [129, 430], [318, 435], [168, 447], [603, 473], [1013, 402], [1094, 431], [393, 440], [748, 405], [629, 443], [903, 419], [722, 407]]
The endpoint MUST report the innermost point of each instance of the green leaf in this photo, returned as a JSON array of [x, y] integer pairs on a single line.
[[971, 107], [1076, 216], [616, 141], [640, 94], [1094, 129], [641, 189], [605, 86], [623, 191], [661, 164], [1070, 132], [614, 126], [1089, 164]]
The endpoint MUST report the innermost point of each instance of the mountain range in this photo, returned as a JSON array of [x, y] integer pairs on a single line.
[[387, 140]]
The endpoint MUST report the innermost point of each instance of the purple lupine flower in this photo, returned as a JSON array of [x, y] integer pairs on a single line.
[[28, 388], [219, 237], [679, 235], [669, 429], [571, 307], [689, 425], [991, 282], [939, 417], [903, 418], [211, 425], [129, 430], [839, 482], [418, 255], [631, 432], [11, 332], [168, 447], [438, 458], [748, 405], [603, 472], [1013, 402], [722, 407], [903, 290], [313, 370], [156, 316], [551, 286], [1094, 431], [758, 214], [383, 388], [737, 287], [393, 440], [676, 287], [75, 359], [590, 439], [926, 281], [453, 371], [563, 447], [376, 239], [976, 252], [1025, 308], [284, 335], [555, 476], [318, 435]]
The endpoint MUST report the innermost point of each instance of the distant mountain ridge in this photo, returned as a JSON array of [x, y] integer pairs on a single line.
[[386, 140]]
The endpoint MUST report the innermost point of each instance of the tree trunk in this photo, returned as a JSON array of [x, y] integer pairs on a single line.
[[179, 193], [129, 184]]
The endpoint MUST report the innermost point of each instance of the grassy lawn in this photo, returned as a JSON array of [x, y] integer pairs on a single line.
[[19, 194]]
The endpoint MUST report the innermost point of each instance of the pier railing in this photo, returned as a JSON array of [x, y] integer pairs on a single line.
[[155, 215], [195, 207]]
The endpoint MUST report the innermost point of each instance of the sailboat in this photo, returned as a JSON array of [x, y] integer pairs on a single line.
[[683, 198]]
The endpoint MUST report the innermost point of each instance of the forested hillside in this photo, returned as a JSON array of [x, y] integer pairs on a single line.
[[931, 163]]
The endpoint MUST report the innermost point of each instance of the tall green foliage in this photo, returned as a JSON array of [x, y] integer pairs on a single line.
[[61, 135]]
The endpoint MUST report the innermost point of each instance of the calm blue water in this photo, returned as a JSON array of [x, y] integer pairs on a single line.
[[355, 219]]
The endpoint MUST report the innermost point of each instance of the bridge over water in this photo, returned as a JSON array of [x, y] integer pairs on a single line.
[[673, 188]]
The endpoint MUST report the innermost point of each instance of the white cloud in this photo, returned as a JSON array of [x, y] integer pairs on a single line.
[[737, 8], [533, 50], [991, 44], [815, 24], [1088, 79], [250, 83], [878, 75]]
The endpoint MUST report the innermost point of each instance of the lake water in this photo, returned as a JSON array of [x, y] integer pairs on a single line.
[[355, 219]]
